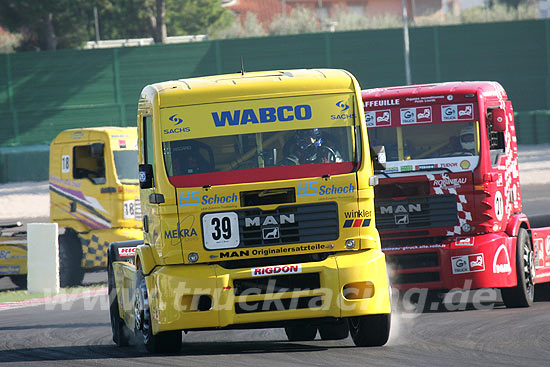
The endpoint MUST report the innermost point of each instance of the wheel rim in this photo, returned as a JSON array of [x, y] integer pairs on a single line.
[[142, 312], [528, 269]]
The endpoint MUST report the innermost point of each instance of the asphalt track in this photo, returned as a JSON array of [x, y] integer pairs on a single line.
[[458, 333], [78, 334]]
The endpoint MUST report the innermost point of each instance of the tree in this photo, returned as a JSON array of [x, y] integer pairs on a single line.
[[250, 27], [300, 20], [48, 24], [195, 16]]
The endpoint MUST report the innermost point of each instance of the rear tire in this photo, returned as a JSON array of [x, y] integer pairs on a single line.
[[70, 259], [301, 333], [370, 330], [523, 294], [19, 280], [164, 342]]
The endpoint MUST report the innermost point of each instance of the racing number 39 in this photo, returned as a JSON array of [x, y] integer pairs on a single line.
[[221, 227], [221, 230]]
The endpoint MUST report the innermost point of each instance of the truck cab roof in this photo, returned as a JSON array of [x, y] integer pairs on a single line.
[[485, 88]]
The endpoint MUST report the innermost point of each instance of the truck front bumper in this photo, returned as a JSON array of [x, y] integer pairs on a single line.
[[184, 297], [484, 261]]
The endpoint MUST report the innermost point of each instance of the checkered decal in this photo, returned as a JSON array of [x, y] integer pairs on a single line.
[[94, 253], [463, 215]]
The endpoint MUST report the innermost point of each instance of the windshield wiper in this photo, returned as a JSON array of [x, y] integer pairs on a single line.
[[433, 169], [426, 169]]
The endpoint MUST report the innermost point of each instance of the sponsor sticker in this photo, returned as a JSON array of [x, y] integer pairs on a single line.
[[468, 263], [416, 115], [378, 118], [382, 102], [311, 189], [457, 112], [274, 270], [126, 251], [447, 182], [356, 223], [501, 261], [465, 241]]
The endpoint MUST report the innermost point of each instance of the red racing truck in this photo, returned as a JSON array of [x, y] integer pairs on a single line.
[[448, 205]]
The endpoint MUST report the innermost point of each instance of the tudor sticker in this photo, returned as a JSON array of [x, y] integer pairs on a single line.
[[501, 261], [468, 263]]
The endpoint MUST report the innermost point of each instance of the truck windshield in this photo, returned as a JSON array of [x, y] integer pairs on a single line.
[[126, 164], [262, 156], [413, 147]]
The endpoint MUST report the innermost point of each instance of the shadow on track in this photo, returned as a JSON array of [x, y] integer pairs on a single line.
[[107, 351]]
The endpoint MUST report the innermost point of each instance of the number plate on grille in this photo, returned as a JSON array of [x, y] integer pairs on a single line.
[[221, 230]]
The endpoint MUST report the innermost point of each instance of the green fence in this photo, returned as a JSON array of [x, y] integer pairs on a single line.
[[47, 92]]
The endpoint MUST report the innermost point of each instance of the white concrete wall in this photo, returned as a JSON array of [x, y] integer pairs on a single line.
[[42, 258]]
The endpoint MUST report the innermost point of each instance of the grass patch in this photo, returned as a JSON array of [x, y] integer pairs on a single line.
[[23, 295]]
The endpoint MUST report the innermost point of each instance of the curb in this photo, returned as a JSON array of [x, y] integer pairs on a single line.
[[60, 298]]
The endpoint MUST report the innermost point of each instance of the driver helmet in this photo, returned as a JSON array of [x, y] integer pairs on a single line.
[[467, 139], [310, 138]]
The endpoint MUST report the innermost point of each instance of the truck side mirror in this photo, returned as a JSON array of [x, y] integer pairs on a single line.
[[96, 150], [378, 156], [498, 119], [145, 176]]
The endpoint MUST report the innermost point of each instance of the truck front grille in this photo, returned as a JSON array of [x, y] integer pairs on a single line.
[[413, 261], [277, 284], [289, 225], [421, 212], [423, 277], [279, 304]]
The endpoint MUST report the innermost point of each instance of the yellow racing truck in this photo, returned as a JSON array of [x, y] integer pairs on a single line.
[[257, 200], [94, 196], [13, 253]]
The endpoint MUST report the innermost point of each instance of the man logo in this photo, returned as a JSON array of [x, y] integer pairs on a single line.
[[401, 219], [270, 233]]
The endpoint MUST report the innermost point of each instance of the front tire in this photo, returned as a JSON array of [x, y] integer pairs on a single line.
[[523, 294], [164, 342], [334, 331], [301, 333], [19, 280], [370, 330], [70, 259], [121, 334]]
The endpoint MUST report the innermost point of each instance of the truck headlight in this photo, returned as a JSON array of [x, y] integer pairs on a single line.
[[193, 257]]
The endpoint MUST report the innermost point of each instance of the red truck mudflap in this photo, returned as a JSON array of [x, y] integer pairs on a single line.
[[482, 261]]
